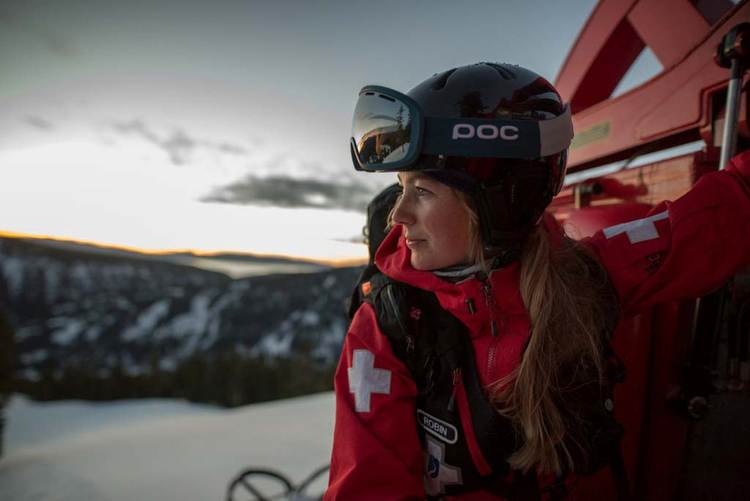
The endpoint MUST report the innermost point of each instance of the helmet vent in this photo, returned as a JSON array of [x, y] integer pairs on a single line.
[[440, 83], [503, 71]]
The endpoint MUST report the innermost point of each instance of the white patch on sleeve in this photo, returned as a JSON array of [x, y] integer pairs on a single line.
[[365, 379], [639, 230]]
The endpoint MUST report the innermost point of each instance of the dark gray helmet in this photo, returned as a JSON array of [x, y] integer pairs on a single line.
[[510, 194]]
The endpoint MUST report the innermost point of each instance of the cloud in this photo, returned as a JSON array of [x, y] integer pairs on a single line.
[[178, 144], [232, 149], [285, 191], [137, 127], [39, 123]]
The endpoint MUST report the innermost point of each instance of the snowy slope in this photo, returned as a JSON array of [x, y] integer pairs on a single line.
[[156, 449], [102, 311]]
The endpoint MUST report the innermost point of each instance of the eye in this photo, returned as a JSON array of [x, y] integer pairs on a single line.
[[422, 191]]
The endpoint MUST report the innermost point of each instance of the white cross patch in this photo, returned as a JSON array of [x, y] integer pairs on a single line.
[[365, 379], [437, 474], [639, 230]]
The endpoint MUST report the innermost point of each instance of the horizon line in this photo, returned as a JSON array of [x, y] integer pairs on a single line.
[[336, 263]]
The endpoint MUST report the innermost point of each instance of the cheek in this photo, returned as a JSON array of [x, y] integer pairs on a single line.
[[459, 238], [453, 233]]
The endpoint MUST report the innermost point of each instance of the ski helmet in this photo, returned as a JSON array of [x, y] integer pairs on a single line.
[[497, 132]]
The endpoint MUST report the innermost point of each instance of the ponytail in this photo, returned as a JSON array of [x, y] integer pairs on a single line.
[[562, 298]]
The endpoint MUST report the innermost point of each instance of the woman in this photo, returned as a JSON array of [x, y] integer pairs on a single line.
[[481, 151]]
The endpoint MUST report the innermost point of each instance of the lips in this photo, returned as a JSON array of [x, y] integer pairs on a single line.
[[410, 242]]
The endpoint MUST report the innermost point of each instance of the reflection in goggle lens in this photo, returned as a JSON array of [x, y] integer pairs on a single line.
[[381, 128]]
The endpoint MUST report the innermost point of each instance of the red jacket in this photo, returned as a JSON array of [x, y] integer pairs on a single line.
[[697, 242]]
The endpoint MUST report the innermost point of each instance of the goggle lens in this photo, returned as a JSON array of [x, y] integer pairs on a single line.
[[382, 130]]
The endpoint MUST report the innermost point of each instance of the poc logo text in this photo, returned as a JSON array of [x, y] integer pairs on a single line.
[[468, 131]]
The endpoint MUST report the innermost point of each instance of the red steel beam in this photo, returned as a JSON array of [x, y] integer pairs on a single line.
[[672, 106]]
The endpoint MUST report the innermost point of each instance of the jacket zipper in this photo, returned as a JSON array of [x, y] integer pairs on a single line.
[[491, 360], [489, 301], [404, 330]]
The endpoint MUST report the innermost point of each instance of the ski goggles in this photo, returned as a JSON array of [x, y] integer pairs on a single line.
[[390, 132]]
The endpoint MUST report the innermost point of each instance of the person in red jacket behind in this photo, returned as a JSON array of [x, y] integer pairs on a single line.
[[480, 151]]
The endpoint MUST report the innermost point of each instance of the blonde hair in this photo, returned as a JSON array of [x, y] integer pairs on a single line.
[[562, 295]]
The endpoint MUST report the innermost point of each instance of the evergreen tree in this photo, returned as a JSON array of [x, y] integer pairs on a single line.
[[400, 118], [6, 368]]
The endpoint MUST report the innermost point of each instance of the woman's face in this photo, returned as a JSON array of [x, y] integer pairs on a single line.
[[436, 225]]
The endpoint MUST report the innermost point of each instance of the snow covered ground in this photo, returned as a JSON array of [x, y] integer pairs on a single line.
[[156, 449]]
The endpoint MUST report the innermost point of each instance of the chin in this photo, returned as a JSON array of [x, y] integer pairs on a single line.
[[419, 264], [432, 263], [426, 264]]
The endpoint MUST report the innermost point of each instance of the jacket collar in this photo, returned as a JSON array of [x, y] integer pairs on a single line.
[[394, 259]]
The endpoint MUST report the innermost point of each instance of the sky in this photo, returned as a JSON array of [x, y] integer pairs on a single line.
[[224, 125]]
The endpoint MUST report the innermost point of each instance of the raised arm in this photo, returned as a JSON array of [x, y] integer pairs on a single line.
[[684, 248]]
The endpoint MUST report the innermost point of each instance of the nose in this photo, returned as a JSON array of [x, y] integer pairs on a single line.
[[402, 212]]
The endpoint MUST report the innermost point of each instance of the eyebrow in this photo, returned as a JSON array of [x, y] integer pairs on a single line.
[[417, 176]]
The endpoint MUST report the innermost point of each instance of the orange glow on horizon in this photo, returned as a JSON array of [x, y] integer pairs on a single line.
[[330, 262]]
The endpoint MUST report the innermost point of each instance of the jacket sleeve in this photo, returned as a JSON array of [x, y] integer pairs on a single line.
[[376, 451], [684, 248]]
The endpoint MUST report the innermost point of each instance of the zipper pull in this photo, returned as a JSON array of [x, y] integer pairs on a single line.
[[409, 343], [457, 377], [489, 301], [457, 381]]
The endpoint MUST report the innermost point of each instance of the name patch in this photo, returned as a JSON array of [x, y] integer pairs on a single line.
[[442, 430]]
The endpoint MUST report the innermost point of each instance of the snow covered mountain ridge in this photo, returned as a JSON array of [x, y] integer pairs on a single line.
[[102, 311]]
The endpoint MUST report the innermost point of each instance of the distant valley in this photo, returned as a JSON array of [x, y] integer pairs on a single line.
[[83, 306], [234, 265]]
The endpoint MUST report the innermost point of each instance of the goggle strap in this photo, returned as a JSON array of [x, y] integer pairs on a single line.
[[479, 137], [556, 133]]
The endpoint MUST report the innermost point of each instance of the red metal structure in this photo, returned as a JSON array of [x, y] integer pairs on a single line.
[[683, 104]]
